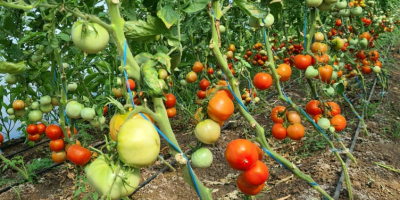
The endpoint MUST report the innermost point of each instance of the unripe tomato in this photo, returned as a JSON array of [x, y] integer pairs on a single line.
[[324, 123], [191, 77], [202, 158], [207, 131], [293, 117], [89, 37], [241, 154], [59, 157]]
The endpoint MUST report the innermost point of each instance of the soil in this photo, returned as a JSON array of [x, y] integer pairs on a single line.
[[311, 155]]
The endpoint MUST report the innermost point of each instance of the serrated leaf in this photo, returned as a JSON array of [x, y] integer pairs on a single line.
[[168, 15], [164, 59], [145, 31], [251, 9], [143, 57], [196, 6]]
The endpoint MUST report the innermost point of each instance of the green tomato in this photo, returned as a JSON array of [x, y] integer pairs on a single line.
[[357, 11], [338, 43], [202, 158], [341, 5], [207, 131], [10, 111], [35, 105], [311, 72], [95, 123], [222, 29], [363, 43], [162, 74], [36, 58], [353, 42], [324, 6], [19, 113], [324, 123], [101, 174], [138, 143], [73, 109], [54, 101], [254, 22], [89, 37], [11, 117], [88, 113], [376, 69], [10, 79], [344, 13], [35, 116], [72, 87], [269, 20], [313, 3], [46, 108], [330, 1], [45, 100]]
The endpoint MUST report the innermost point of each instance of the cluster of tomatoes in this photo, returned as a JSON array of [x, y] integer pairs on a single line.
[[34, 131], [369, 61], [203, 85], [246, 96], [170, 102], [322, 112], [287, 124], [247, 157]]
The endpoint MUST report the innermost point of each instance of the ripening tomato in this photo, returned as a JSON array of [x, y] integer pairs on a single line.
[[34, 137], [277, 114], [59, 157], [318, 47], [241, 154], [257, 174], [201, 94], [325, 73], [319, 36], [293, 117], [301, 62], [279, 131], [313, 107], [53, 132], [333, 108], [78, 154], [317, 117], [197, 67], [57, 145], [32, 129], [220, 107], [338, 22], [373, 55], [171, 112], [339, 122], [204, 84], [18, 105], [170, 100], [247, 188], [295, 131], [131, 84], [41, 128], [262, 81], [191, 77], [284, 71]]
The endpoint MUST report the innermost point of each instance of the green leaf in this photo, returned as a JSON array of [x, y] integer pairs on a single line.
[[176, 58], [339, 88], [173, 42], [144, 31], [143, 57], [196, 6], [90, 77], [251, 9], [64, 37], [164, 59], [31, 36], [276, 9], [168, 15]]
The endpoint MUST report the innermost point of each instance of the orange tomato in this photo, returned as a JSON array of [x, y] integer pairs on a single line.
[[284, 71], [296, 131], [325, 73], [171, 112], [220, 107], [197, 67]]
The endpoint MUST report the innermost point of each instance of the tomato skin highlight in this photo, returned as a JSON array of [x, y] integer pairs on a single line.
[[241, 154]]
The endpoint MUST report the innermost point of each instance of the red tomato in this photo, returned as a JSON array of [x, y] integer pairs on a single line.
[[210, 71], [32, 129], [262, 81], [241, 154], [57, 145], [257, 174], [1, 139], [33, 138], [313, 107], [277, 114], [247, 188], [279, 131], [69, 132], [53, 132], [41, 128], [105, 109], [332, 108], [295, 131], [339, 122], [338, 22], [78, 155], [259, 152], [201, 94], [131, 84], [301, 62], [171, 100], [204, 84]]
